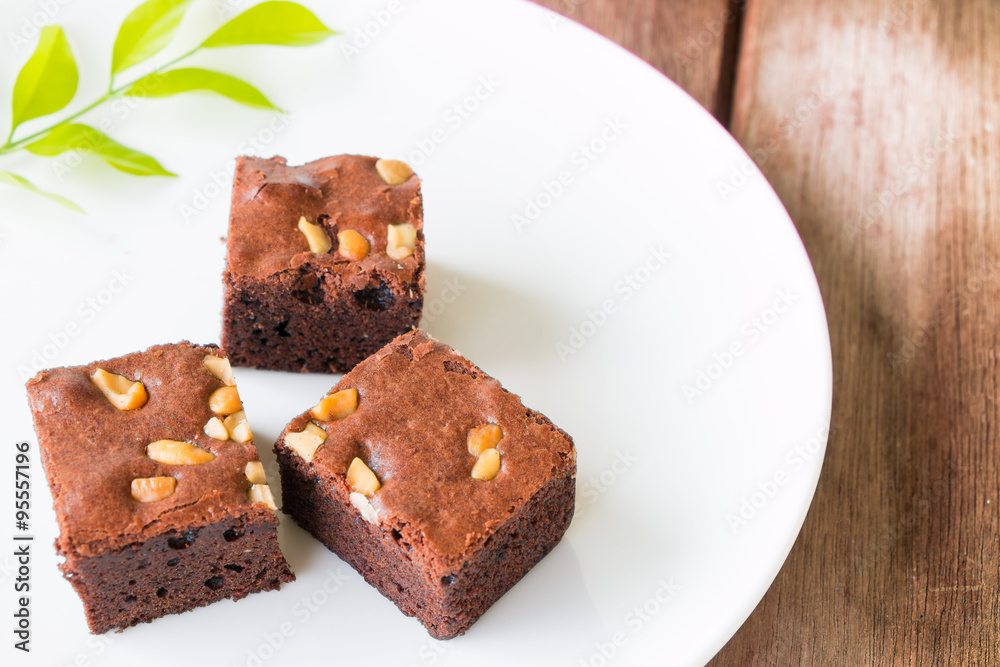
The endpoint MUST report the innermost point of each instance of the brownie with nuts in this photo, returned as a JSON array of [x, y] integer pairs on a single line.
[[160, 496], [432, 481], [325, 261]]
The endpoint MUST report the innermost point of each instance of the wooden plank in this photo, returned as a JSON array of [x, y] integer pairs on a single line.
[[693, 43], [878, 124]]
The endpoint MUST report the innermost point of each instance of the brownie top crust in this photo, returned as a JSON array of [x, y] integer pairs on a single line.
[[92, 451], [418, 399], [338, 193]]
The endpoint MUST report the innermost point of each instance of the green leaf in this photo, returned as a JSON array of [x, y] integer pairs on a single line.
[[86, 139], [176, 81], [21, 182], [146, 31], [275, 22], [47, 82]]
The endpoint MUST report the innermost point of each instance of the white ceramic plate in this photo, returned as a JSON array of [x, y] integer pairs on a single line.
[[672, 326]]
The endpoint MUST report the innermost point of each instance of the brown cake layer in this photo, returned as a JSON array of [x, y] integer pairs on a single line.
[[446, 546], [178, 571], [287, 308], [133, 561]]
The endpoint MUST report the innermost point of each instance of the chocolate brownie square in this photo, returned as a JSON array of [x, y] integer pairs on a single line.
[[437, 485], [160, 496], [325, 261]]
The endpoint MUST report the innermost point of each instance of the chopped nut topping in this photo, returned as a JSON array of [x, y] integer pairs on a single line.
[[484, 437], [487, 465], [401, 240], [393, 172], [216, 429], [150, 489], [123, 393], [255, 472], [237, 426], [219, 367], [317, 238], [361, 478], [353, 245], [337, 405], [368, 513], [261, 493], [307, 441], [225, 401], [177, 453]]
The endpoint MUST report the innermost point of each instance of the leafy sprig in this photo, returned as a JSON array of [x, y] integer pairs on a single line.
[[48, 81]]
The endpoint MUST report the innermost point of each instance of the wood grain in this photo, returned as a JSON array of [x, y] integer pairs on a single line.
[[878, 124], [691, 41]]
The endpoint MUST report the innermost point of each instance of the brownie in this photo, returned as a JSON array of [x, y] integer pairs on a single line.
[[155, 516], [321, 305], [382, 471]]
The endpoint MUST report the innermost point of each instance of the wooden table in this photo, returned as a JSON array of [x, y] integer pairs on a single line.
[[878, 124]]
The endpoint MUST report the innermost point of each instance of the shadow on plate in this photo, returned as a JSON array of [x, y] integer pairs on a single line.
[[488, 322], [549, 611], [299, 547]]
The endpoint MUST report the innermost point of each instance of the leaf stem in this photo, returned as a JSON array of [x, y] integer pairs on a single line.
[[173, 62], [9, 147]]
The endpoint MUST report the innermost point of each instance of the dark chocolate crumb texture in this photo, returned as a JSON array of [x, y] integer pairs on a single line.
[[430, 479], [161, 499], [325, 261]]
